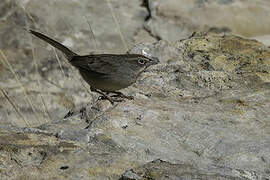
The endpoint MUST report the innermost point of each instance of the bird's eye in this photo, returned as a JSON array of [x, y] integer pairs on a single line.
[[141, 61]]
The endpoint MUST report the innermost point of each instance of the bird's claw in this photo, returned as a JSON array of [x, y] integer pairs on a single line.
[[123, 96], [111, 99], [117, 97]]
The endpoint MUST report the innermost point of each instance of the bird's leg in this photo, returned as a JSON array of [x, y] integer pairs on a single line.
[[119, 94], [105, 96]]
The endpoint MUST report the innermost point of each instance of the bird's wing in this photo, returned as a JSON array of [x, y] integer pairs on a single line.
[[103, 63]]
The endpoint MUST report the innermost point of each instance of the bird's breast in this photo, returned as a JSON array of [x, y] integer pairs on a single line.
[[107, 82]]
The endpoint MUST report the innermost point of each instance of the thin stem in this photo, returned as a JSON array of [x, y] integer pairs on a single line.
[[21, 85], [45, 108], [117, 25], [15, 107], [92, 33], [58, 60], [33, 55]]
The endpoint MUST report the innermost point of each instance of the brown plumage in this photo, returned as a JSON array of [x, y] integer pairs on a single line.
[[105, 72]]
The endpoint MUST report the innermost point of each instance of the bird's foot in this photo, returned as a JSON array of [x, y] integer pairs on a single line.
[[117, 97], [121, 95], [111, 99]]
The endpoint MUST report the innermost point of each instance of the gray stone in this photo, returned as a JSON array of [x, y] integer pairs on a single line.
[[159, 169], [130, 175], [177, 19]]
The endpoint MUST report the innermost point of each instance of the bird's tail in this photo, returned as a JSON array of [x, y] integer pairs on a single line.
[[68, 53]]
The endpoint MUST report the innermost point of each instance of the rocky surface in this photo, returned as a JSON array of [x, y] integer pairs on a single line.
[[202, 113], [175, 19], [159, 169]]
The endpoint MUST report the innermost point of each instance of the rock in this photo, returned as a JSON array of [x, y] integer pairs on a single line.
[[159, 169], [205, 105], [34, 155], [130, 175], [176, 19]]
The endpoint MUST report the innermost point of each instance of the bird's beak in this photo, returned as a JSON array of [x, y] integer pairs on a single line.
[[155, 60]]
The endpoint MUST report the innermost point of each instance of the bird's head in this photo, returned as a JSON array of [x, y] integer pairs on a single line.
[[140, 62]]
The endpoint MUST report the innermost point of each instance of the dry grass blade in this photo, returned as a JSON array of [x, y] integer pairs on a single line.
[[72, 29], [117, 24], [45, 108], [58, 60], [39, 85], [15, 107], [34, 59], [21, 85], [92, 33], [86, 89], [26, 12], [2, 66]]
